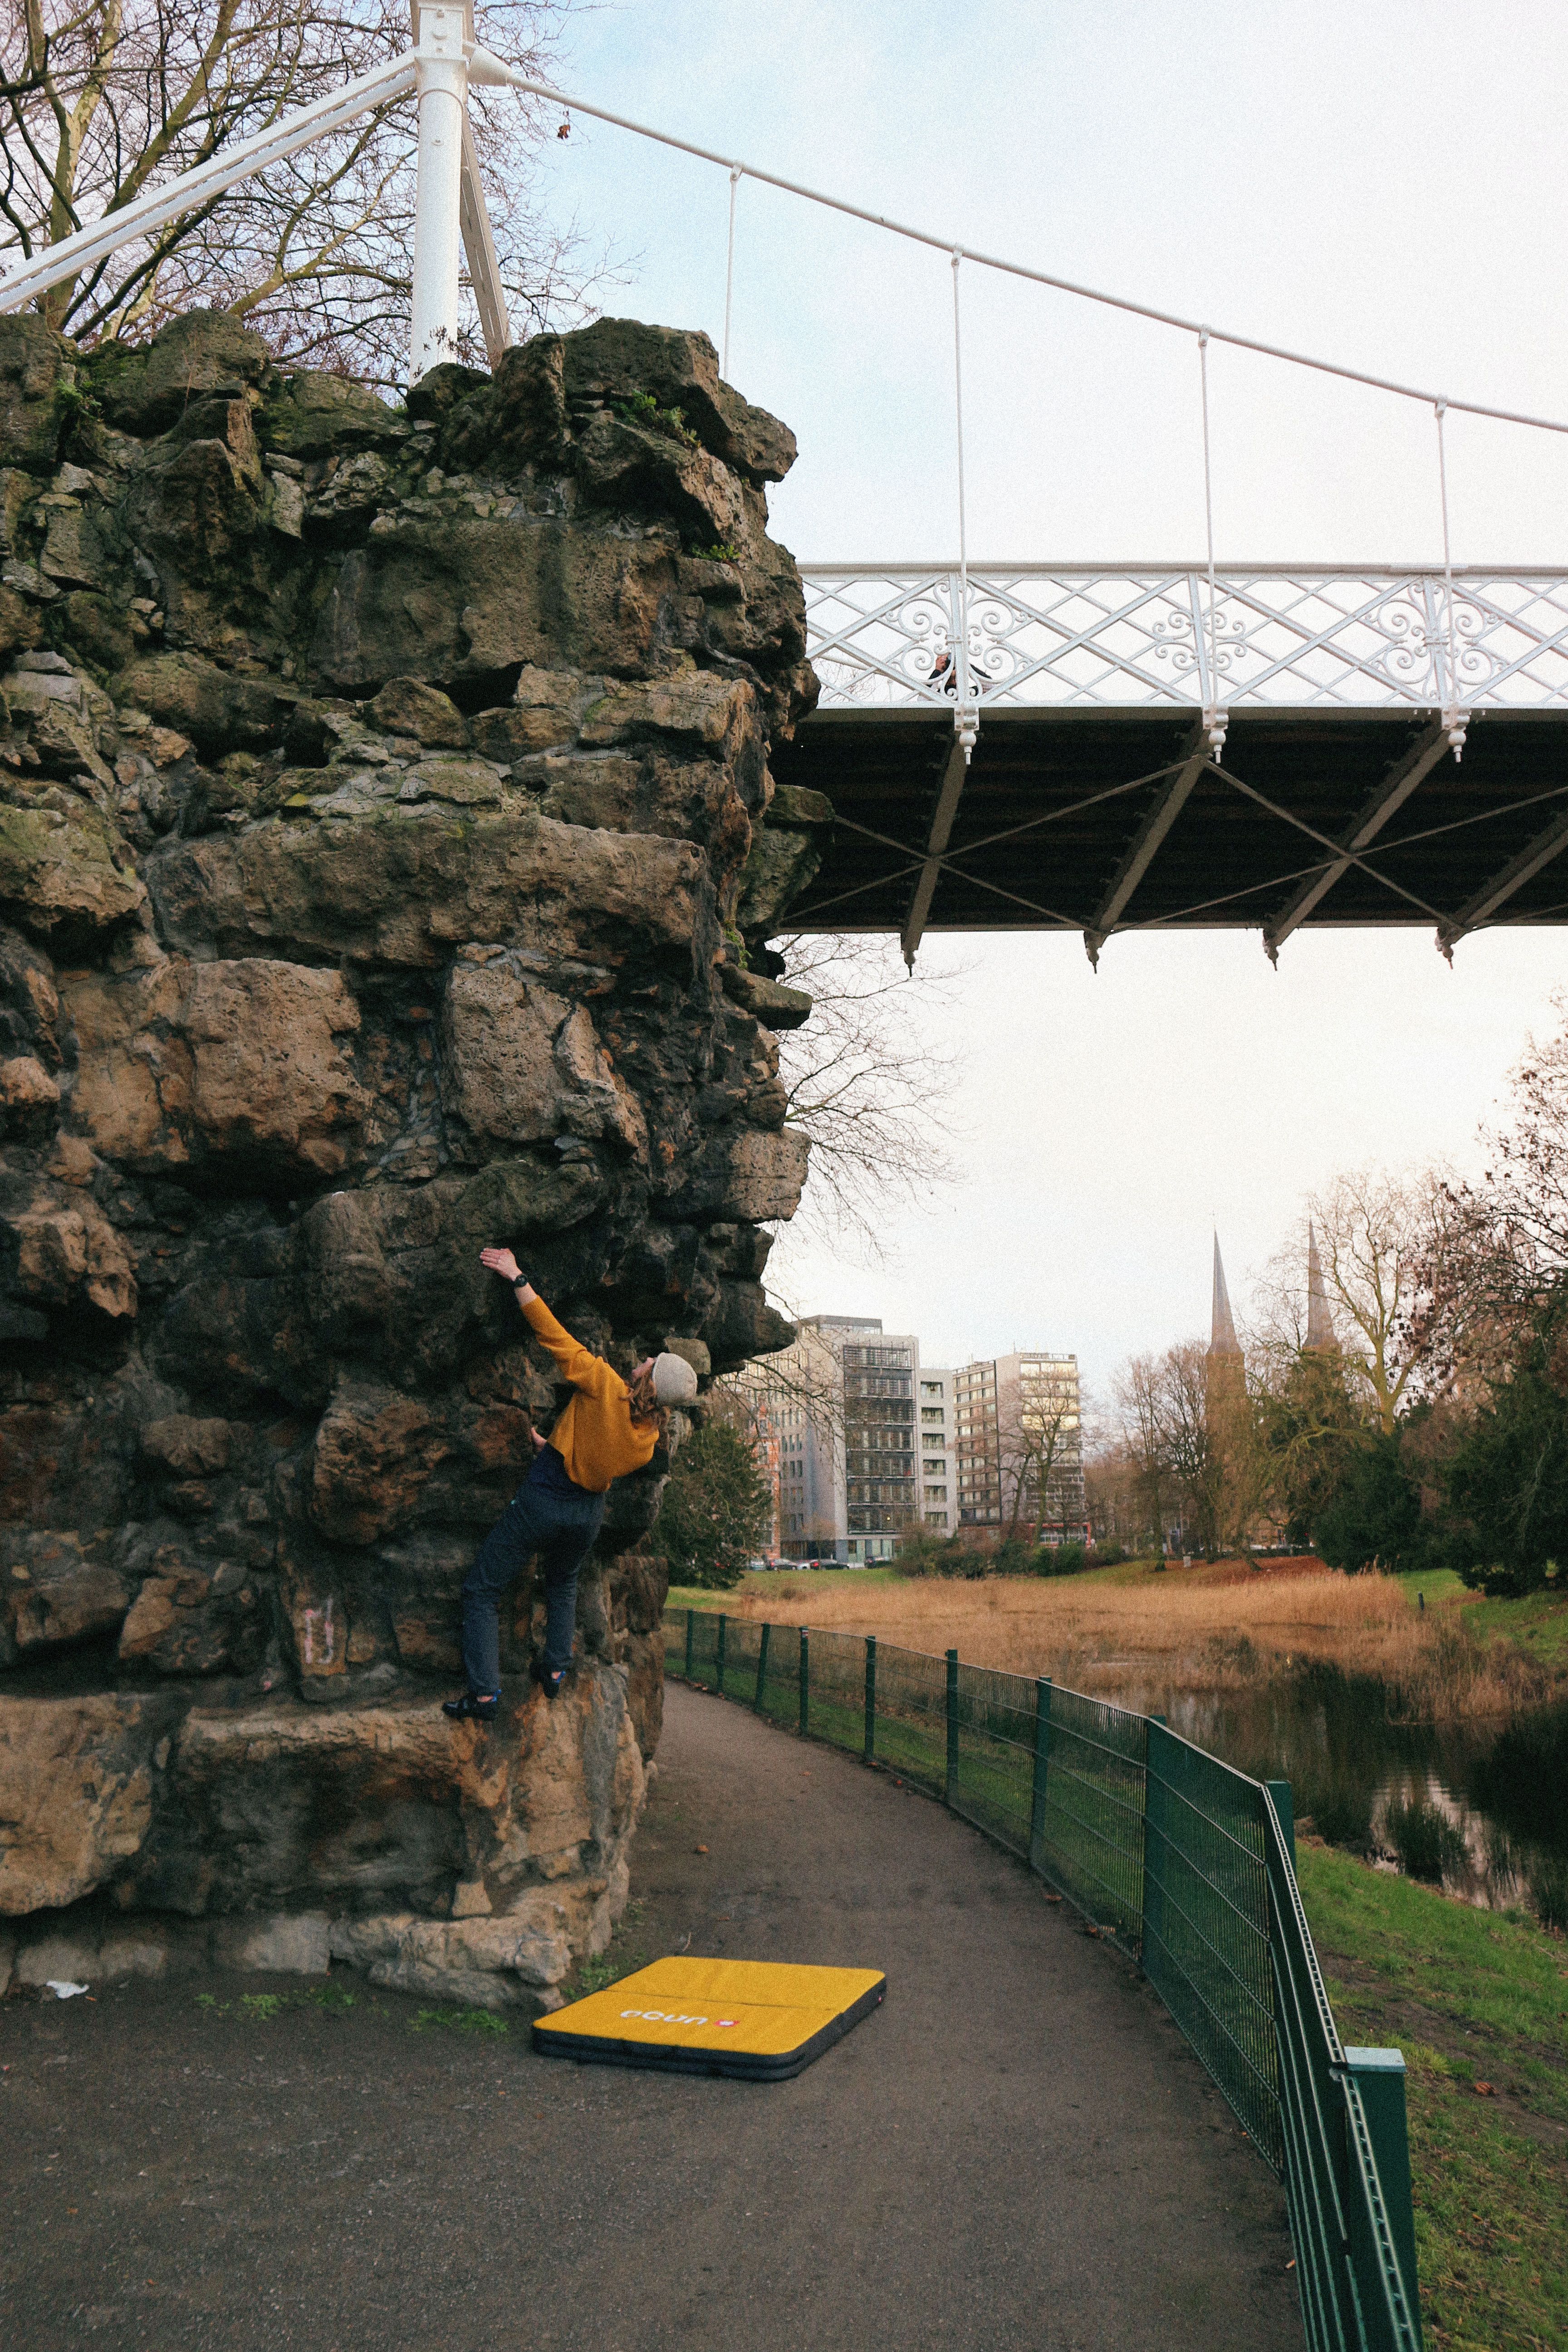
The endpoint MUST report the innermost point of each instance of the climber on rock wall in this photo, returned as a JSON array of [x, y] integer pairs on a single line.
[[609, 1427]]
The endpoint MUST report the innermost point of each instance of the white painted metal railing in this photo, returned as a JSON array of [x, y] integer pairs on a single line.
[[1135, 635]]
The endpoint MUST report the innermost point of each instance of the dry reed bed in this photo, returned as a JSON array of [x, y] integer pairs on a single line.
[[1190, 1631]]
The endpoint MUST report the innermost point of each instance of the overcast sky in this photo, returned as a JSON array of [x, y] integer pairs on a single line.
[[1380, 183]]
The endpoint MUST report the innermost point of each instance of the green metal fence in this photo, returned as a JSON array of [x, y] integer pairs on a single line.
[[1187, 1864]]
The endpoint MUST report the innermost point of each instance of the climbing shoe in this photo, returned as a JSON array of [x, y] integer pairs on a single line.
[[549, 1678], [477, 1707]]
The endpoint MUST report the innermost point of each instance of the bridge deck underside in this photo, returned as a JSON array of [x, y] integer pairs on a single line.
[[1055, 803]]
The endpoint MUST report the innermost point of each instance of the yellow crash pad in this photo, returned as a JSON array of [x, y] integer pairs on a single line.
[[762, 2019]]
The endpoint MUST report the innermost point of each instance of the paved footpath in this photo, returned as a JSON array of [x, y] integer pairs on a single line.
[[1017, 2150]]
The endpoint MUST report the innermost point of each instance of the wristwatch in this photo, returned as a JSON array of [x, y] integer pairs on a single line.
[[519, 1282]]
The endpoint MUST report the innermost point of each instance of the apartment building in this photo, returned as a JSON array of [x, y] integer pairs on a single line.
[[861, 1441], [937, 1430], [879, 1373], [795, 1404], [1018, 1447]]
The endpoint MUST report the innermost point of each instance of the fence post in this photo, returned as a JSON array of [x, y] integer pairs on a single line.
[[718, 1660], [804, 1683], [691, 1636], [1285, 1806], [1156, 1814], [1379, 2075], [1042, 1757], [761, 1666], [952, 1725], [870, 1747]]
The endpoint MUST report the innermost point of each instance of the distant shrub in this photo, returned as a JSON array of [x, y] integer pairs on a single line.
[[1016, 1556], [1110, 1555], [921, 1553], [1066, 1559]]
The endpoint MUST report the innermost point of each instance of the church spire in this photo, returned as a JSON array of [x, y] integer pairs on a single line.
[[1320, 1323], [1223, 1340]]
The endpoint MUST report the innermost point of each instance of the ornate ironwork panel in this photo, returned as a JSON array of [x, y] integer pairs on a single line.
[[1038, 636]]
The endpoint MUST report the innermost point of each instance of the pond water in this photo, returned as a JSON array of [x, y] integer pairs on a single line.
[[1480, 1808]]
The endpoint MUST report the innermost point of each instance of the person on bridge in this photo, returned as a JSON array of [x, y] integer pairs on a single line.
[[609, 1427]]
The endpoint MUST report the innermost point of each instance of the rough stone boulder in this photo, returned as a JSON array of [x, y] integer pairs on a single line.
[[384, 795]]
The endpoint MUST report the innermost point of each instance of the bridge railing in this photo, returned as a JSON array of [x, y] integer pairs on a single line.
[[886, 637], [1185, 1863]]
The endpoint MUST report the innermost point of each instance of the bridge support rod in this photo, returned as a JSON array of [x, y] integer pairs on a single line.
[[1146, 843], [1502, 886], [443, 86], [947, 802], [480, 251], [1391, 795]]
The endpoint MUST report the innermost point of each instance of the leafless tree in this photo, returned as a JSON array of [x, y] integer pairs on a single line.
[[1379, 1238], [100, 99], [1136, 1392], [864, 1084], [1188, 1431], [1038, 1438], [1111, 1491], [1505, 1243]]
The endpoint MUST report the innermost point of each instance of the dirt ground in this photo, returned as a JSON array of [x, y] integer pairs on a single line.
[[1017, 2150]]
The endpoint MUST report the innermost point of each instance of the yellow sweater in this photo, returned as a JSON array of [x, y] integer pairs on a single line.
[[595, 1436]]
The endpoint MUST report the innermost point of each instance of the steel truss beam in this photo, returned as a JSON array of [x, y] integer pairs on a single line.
[[947, 802], [1146, 841], [1501, 888], [1390, 796]]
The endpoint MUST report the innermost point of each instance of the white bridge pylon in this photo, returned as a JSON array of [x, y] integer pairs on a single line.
[[449, 204]]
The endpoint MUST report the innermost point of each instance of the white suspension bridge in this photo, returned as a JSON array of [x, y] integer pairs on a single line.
[[1103, 749]]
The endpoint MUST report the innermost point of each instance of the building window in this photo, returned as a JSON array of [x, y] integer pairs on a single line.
[[936, 1494], [936, 1518]]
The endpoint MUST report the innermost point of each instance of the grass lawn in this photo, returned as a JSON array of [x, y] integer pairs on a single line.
[[1471, 1998], [792, 1590]]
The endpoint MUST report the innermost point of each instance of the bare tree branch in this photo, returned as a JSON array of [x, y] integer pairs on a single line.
[[102, 100]]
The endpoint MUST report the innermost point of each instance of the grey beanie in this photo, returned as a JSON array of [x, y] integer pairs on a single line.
[[674, 1381]]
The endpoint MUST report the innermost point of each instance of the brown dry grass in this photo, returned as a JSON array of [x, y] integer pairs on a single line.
[[1201, 1629]]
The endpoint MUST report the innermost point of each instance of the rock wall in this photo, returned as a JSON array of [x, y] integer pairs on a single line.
[[381, 800]]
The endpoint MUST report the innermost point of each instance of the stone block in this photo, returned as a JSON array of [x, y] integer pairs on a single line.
[[135, 1951], [75, 1794], [61, 1956], [63, 872], [293, 1944]]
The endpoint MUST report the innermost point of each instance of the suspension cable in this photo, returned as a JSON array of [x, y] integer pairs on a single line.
[[1213, 718], [1019, 269], [735, 171], [1453, 716]]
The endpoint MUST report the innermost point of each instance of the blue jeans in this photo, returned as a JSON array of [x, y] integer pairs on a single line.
[[559, 1521]]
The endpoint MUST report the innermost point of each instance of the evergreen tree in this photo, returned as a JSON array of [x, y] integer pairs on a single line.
[[1372, 1516], [1507, 1480], [715, 1510]]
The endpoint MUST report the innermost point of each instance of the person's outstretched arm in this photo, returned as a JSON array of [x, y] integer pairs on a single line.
[[582, 1369], [501, 1262]]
